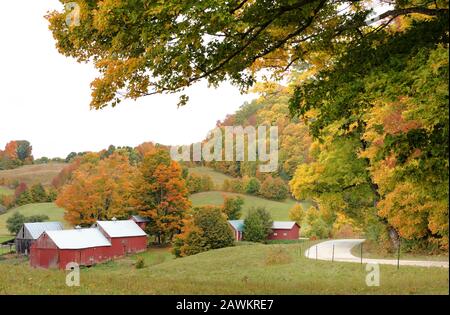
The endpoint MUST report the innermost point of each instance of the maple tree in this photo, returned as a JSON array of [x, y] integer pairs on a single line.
[[382, 132], [15, 154], [98, 190], [146, 47], [297, 214], [204, 229], [160, 194], [274, 188], [232, 207], [257, 225]]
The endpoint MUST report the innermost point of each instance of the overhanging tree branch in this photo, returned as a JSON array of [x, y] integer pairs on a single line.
[[405, 11]]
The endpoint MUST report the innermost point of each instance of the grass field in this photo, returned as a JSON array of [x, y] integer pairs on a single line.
[[279, 210], [246, 269], [217, 177], [32, 174], [5, 238], [5, 191], [372, 253], [54, 213]]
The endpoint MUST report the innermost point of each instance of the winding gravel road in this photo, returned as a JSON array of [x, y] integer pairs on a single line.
[[342, 252]]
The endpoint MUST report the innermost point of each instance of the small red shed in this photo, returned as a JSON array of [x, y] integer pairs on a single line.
[[237, 227], [125, 236], [281, 230], [284, 230], [141, 221], [55, 249]]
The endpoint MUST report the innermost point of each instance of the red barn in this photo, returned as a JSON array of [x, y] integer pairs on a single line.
[[86, 247], [238, 228], [125, 236], [55, 249], [281, 230], [284, 230]]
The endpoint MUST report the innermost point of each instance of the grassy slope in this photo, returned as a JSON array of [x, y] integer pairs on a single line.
[[235, 270], [54, 213], [370, 253], [278, 209], [5, 191], [217, 177], [32, 174]]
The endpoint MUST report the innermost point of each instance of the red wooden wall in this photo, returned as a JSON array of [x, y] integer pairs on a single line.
[[284, 234]]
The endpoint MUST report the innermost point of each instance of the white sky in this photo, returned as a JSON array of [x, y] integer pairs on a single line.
[[45, 96]]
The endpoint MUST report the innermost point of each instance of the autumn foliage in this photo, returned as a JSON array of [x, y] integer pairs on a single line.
[[160, 194], [98, 190]]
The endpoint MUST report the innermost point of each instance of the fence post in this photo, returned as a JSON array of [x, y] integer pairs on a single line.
[[332, 255], [361, 252], [316, 251], [398, 254]]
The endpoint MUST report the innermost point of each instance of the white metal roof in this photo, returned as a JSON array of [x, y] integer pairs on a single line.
[[124, 228], [78, 238], [283, 225], [139, 219], [238, 225], [37, 228]]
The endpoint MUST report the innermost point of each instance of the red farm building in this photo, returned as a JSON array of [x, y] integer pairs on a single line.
[[105, 241], [126, 237], [141, 221], [285, 230], [281, 230], [55, 249], [238, 228]]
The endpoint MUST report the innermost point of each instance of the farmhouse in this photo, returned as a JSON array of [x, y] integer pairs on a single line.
[[30, 232], [141, 221], [55, 249], [125, 236], [104, 241], [281, 230]]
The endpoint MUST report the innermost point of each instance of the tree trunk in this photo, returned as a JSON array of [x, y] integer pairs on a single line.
[[392, 232]]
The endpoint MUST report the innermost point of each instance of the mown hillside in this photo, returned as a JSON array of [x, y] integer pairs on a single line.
[[278, 209], [5, 191], [218, 178], [33, 174], [245, 269], [50, 209]]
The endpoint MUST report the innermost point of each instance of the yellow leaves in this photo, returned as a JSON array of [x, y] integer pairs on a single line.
[[343, 223], [392, 117], [296, 213], [115, 73], [436, 62], [103, 17], [305, 177], [98, 190], [386, 118], [278, 59], [267, 87], [412, 212]]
